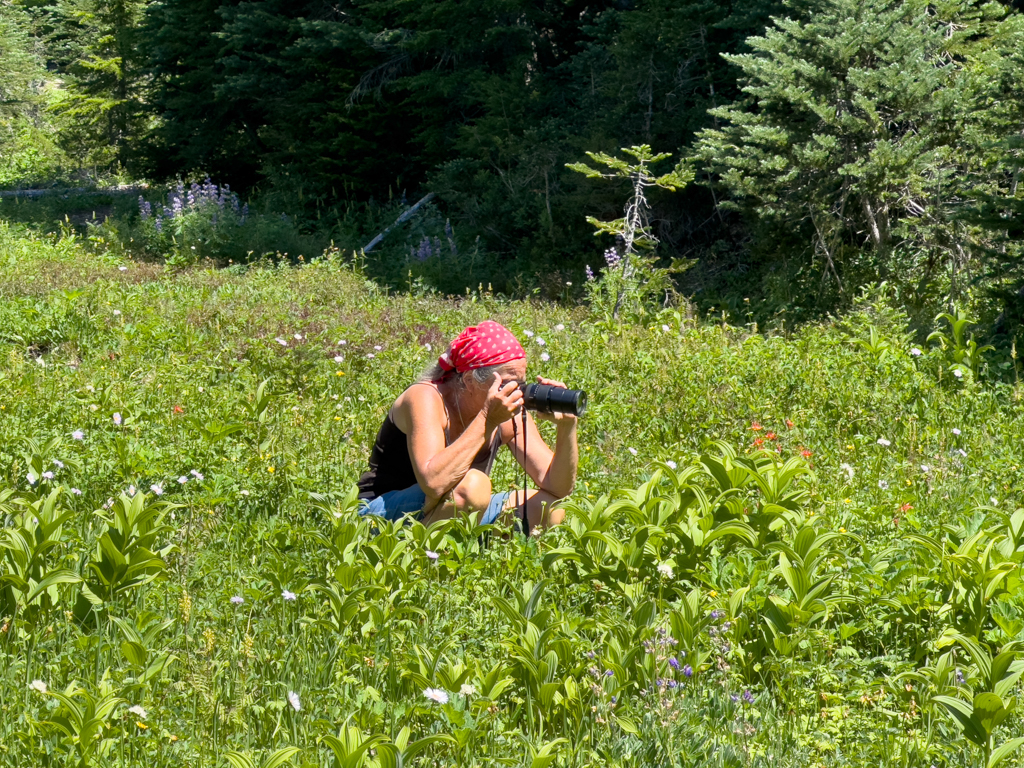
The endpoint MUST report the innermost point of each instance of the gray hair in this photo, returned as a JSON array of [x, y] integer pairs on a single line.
[[480, 375]]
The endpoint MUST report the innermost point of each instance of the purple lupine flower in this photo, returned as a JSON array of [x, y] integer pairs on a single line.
[[590, 273], [688, 671], [748, 697], [423, 251], [674, 663], [612, 258], [716, 615], [608, 673], [158, 224], [672, 684], [959, 677], [735, 698]]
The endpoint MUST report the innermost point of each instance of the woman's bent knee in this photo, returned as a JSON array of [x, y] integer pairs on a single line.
[[473, 494]]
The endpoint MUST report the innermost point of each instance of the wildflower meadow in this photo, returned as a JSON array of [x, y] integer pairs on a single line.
[[786, 546]]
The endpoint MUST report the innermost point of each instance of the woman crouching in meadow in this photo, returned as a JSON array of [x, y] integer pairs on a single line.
[[433, 455]]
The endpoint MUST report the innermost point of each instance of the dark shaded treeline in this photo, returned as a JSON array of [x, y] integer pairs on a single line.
[[821, 163], [482, 102]]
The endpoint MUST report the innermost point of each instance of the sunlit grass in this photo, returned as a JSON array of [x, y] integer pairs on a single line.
[[216, 421]]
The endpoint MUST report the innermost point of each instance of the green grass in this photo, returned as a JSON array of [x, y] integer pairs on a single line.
[[842, 675]]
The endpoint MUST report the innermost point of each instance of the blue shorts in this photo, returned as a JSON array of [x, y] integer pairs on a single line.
[[394, 505]]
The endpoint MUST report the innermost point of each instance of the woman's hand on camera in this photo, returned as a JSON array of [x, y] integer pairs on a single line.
[[503, 401], [558, 418]]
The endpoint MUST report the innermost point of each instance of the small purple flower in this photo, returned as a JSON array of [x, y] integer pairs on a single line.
[[591, 655], [674, 663], [237, 600], [716, 615], [735, 698], [608, 673], [590, 273], [78, 435], [288, 595], [431, 554], [672, 684], [76, 491], [612, 258], [748, 697], [688, 671], [48, 475], [615, 699], [959, 677]]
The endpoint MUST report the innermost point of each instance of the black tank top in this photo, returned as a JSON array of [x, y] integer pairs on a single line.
[[390, 465]]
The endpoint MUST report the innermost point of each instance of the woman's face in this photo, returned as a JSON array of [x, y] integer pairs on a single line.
[[514, 371]]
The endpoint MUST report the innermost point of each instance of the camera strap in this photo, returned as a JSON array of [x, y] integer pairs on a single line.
[[526, 525], [524, 522]]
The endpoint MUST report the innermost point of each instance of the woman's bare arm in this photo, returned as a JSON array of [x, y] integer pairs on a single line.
[[421, 415]]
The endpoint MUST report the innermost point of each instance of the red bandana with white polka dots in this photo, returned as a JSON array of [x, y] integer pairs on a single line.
[[479, 346]]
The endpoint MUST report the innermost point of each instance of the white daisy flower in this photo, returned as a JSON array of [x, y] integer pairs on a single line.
[[293, 699], [436, 694]]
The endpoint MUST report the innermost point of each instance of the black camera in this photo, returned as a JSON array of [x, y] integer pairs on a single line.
[[545, 398]]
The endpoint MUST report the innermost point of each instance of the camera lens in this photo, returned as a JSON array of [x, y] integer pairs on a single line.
[[545, 398]]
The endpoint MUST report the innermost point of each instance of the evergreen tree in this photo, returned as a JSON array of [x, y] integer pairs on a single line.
[[19, 64], [850, 133], [195, 126], [102, 106]]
